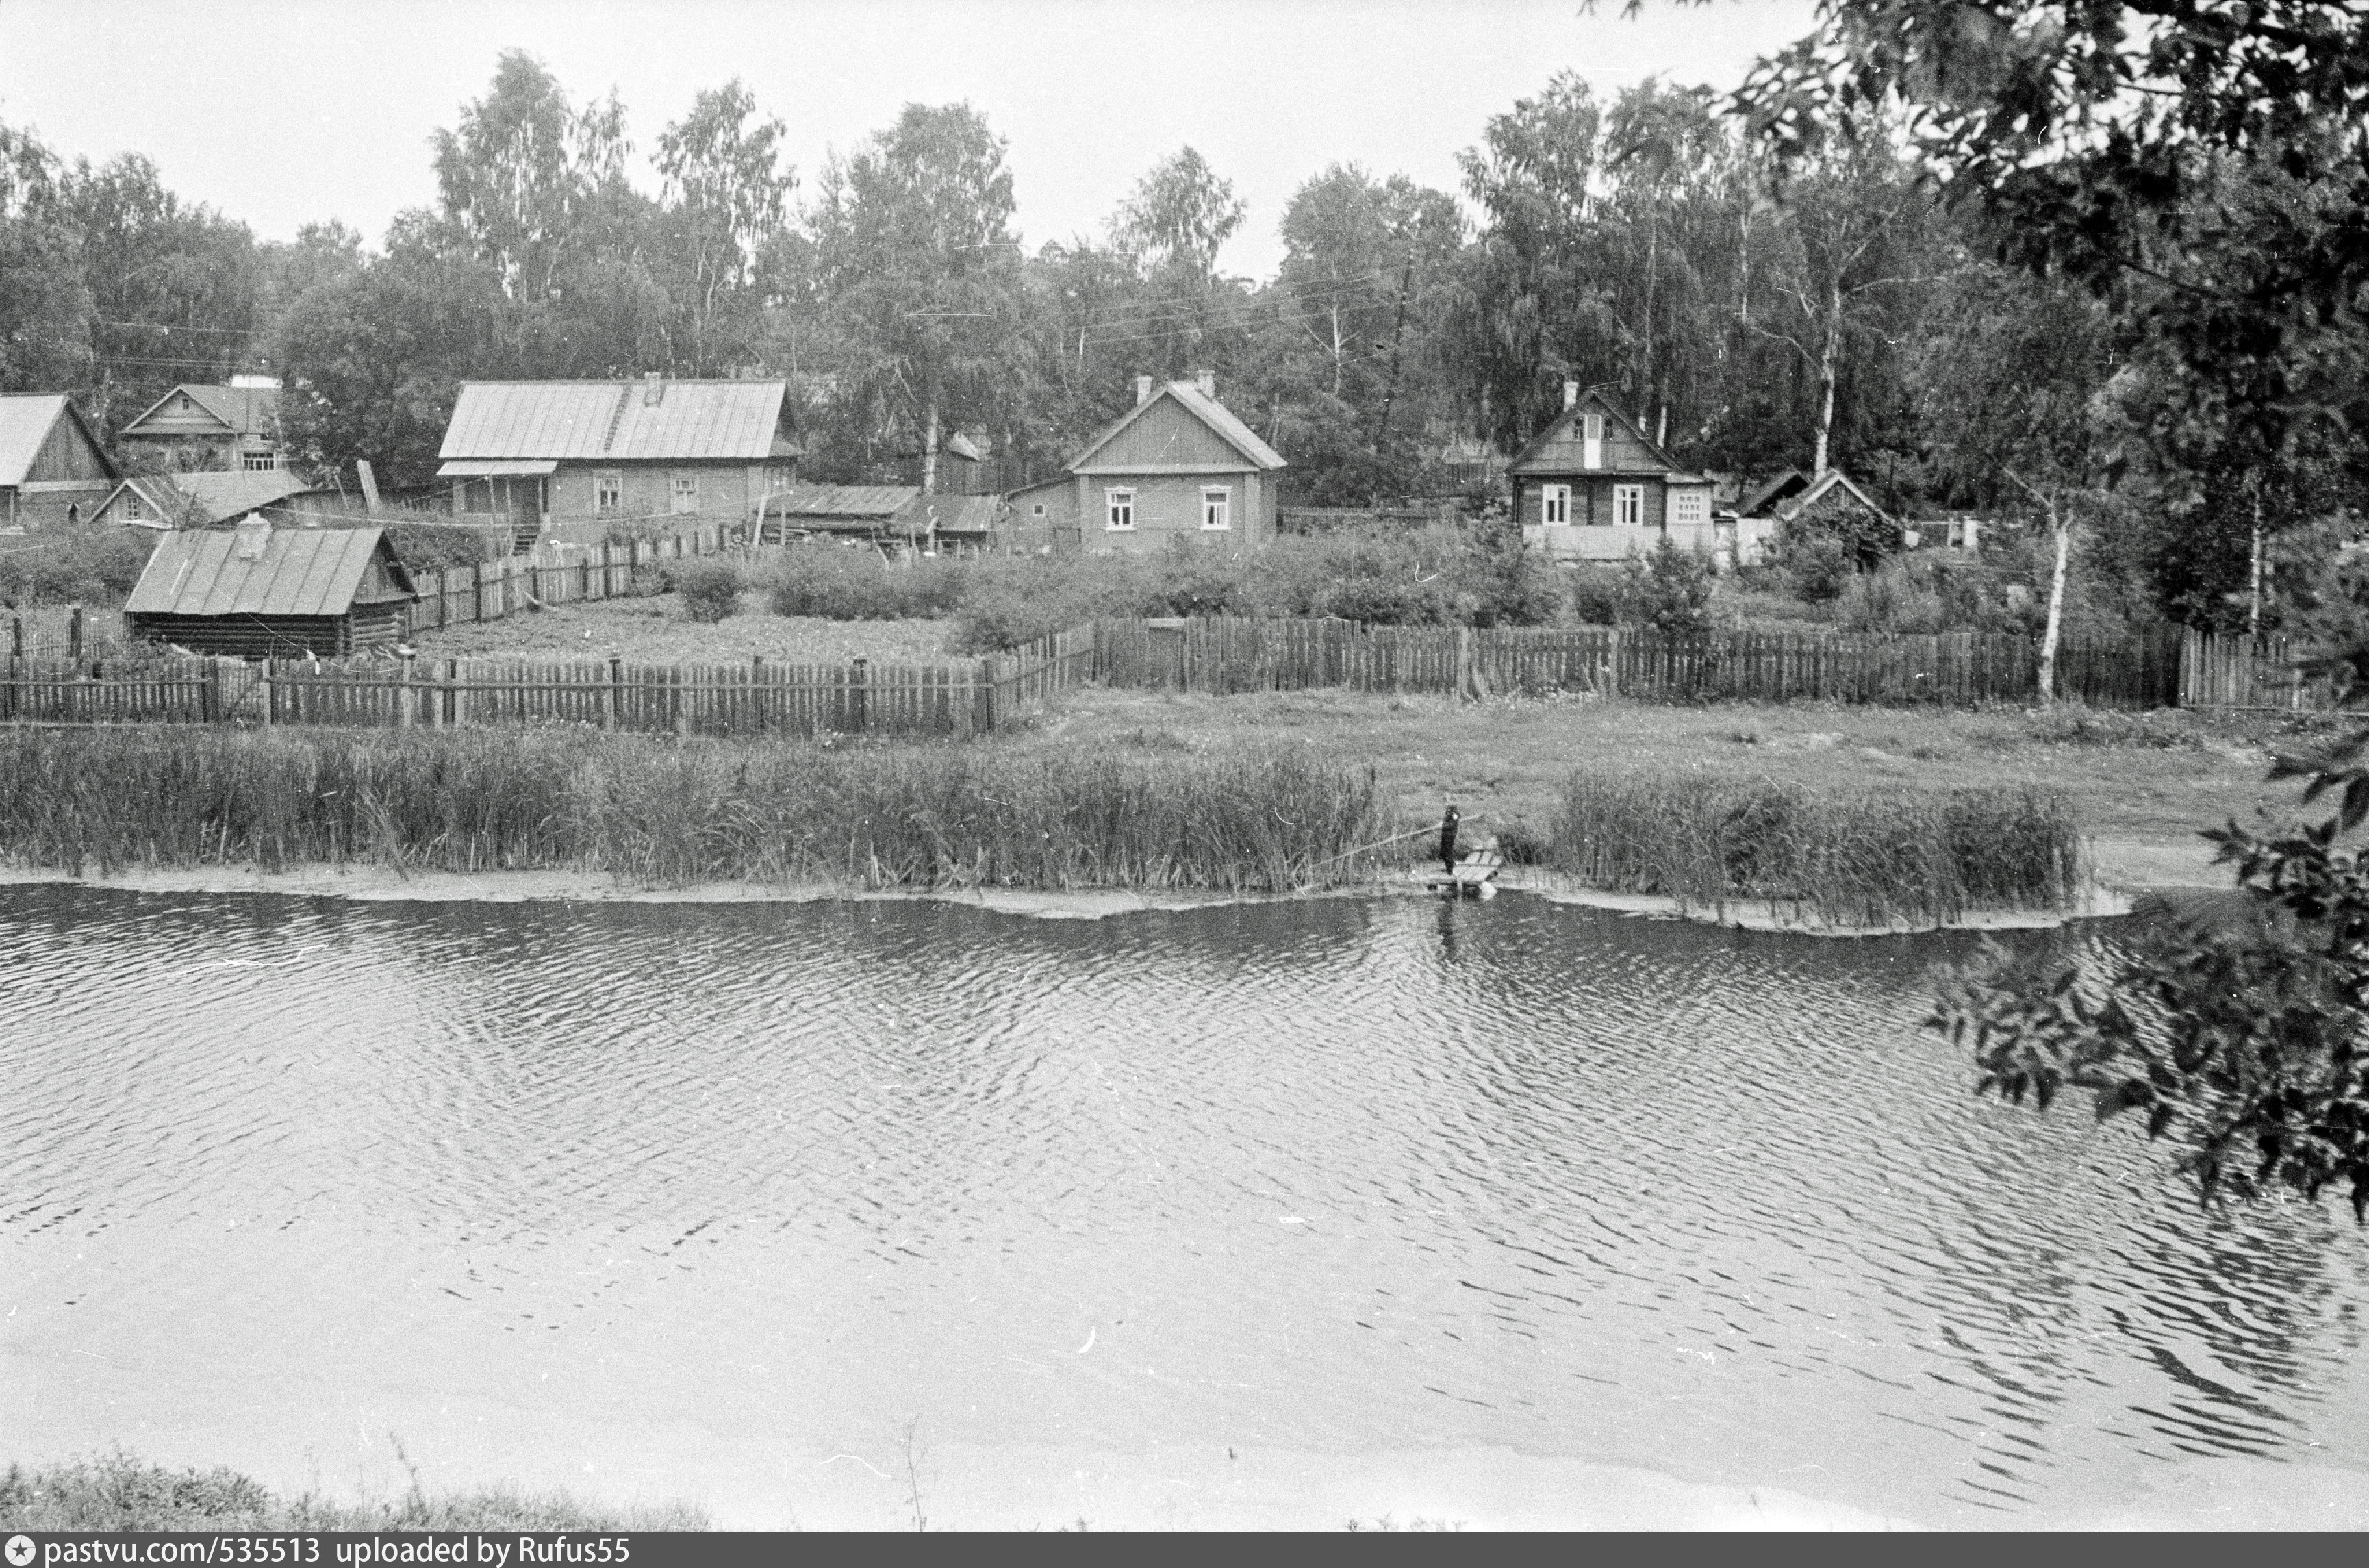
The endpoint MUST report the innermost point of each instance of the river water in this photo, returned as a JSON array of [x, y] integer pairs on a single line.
[[836, 1213]]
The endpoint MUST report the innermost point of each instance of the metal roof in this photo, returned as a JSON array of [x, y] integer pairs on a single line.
[[592, 420], [497, 467], [302, 571], [1203, 406], [246, 411], [842, 501], [961, 514], [225, 494]]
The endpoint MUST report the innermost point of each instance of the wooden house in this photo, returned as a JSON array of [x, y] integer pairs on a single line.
[[1177, 467], [52, 469], [193, 500], [597, 450], [256, 591], [1591, 487], [194, 429]]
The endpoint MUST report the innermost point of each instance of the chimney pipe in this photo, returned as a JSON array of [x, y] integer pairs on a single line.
[[653, 388], [1208, 381], [1143, 389], [1570, 395]]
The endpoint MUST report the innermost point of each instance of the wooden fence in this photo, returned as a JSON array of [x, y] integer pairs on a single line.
[[64, 631], [561, 574], [2247, 674], [961, 699], [1228, 655]]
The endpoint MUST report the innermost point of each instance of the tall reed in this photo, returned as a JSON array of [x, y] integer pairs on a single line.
[[1848, 858], [658, 811]]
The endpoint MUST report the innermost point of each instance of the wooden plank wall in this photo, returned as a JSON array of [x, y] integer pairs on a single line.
[[2249, 673]]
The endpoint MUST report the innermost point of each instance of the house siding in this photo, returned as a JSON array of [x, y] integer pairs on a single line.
[[1168, 437], [1168, 510]]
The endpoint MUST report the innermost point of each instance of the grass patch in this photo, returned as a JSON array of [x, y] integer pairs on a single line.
[[661, 812], [661, 630], [1851, 858], [121, 1493]]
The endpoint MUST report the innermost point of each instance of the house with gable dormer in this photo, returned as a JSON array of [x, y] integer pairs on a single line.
[[1177, 467], [1591, 487]]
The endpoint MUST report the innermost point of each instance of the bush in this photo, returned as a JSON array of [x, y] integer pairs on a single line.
[[710, 589], [437, 546], [79, 565], [1597, 595], [841, 584], [1669, 589], [1816, 566]]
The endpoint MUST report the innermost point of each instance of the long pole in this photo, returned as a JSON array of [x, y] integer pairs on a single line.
[[1390, 392]]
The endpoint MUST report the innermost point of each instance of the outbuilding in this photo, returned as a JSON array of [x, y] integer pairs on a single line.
[[52, 469], [255, 591]]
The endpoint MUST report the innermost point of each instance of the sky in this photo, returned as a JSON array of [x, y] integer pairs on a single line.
[[280, 114]]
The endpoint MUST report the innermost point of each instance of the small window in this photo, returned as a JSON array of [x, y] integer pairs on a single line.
[[1555, 505], [1629, 505], [1037, 509], [1686, 506], [258, 459], [1121, 509], [686, 492], [131, 513], [1592, 424], [1216, 507], [608, 493]]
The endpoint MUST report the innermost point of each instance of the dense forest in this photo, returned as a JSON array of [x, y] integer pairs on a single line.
[[1754, 304]]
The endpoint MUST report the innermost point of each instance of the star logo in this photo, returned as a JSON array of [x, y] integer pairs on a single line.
[[21, 1551]]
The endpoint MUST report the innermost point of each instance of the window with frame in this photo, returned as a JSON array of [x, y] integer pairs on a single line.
[[1686, 506], [1555, 505], [1217, 507], [258, 459], [131, 513], [1037, 509], [1629, 505], [608, 493], [686, 492], [1591, 426], [1118, 510]]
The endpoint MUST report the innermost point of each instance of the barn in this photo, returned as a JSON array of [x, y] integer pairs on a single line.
[[255, 591], [52, 469]]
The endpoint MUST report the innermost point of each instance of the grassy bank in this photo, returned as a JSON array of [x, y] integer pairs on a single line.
[[123, 1493], [655, 811], [1849, 857]]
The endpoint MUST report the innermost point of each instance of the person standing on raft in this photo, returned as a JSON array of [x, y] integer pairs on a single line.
[[1448, 839]]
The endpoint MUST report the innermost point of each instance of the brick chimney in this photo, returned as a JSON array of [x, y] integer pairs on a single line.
[[1142, 389], [1208, 381], [1570, 395], [653, 388]]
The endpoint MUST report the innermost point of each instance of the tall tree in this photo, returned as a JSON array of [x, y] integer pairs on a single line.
[[727, 195], [44, 309], [1174, 222], [916, 261]]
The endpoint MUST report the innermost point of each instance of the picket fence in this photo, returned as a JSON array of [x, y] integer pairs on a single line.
[[2248, 674], [961, 699], [1230, 655]]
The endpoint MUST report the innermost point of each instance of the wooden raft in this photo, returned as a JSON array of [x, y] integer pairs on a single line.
[[1473, 877]]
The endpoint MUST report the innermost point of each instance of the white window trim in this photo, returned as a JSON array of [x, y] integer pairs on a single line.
[[1036, 509], [1219, 500], [608, 493], [675, 492], [1687, 509], [1548, 495], [1116, 500], [1626, 497]]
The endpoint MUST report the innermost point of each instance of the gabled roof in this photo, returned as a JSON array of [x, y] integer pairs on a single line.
[[843, 500], [961, 514], [302, 571], [157, 489], [243, 411], [614, 421], [25, 421], [1831, 479], [225, 494], [1202, 406], [1789, 483], [1561, 423]]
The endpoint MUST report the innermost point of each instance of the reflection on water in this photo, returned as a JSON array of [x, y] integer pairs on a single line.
[[1310, 1175]]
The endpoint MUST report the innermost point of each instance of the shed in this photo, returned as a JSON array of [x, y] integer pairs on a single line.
[[255, 591], [52, 468], [194, 499], [871, 512]]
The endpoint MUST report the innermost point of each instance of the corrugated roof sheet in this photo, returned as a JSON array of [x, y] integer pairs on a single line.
[[492, 467], [1207, 409], [24, 423], [224, 495], [303, 571], [962, 514], [588, 421], [843, 500]]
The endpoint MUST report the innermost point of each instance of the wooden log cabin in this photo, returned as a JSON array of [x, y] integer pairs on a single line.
[[52, 469], [255, 591]]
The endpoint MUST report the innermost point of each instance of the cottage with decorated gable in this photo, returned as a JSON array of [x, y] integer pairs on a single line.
[[1593, 487], [1831, 502], [1177, 467], [196, 427]]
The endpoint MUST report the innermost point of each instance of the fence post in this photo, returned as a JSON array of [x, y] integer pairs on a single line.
[[210, 695], [985, 721], [270, 693], [757, 691], [460, 714], [404, 705], [16, 637], [74, 632], [616, 693], [858, 707]]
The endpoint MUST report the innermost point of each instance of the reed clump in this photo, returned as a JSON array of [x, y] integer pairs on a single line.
[[120, 1493], [1847, 858], [657, 811]]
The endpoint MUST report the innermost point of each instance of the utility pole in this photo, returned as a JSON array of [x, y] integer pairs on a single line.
[[1398, 329]]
